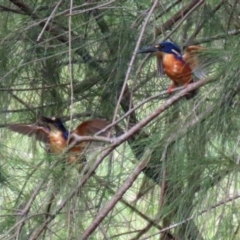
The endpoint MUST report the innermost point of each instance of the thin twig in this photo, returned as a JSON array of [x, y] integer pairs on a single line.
[[33, 88], [111, 203], [48, 20], [24, 212], [183, 18], [122, 200], [117, 142], [91, 9], [177, 16], [157, 218], [7, 9], [224, 201], [166, 10], [132, 59], [200, 26], [70, 63], [216, 37], [77, 139], [160, 109], [72, 193]]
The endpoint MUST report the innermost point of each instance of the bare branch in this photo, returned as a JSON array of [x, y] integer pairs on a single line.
[[111, 203], [132, 59], [177, 16], [7, 9], [220, 203]]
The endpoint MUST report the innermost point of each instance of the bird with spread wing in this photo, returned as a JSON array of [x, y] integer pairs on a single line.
[[177, 66], [52, 132]]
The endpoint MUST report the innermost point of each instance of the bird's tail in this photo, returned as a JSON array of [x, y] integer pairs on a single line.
[[192, 93]]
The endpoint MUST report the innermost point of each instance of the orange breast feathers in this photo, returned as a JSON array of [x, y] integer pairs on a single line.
[[56, 136], [176, 69], [57, 142]]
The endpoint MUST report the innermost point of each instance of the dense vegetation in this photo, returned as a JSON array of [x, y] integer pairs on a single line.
[[173, 173]]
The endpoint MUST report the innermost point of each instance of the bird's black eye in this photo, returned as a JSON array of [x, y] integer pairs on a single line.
[[161, 46]]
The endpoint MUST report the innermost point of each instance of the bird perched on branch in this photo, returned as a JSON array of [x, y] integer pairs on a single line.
[[53, 133], [177, 66]]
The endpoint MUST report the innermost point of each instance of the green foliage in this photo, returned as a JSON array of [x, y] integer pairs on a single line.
[[74, 66]]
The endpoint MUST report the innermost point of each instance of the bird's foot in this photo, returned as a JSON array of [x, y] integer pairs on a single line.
[[169, 90]]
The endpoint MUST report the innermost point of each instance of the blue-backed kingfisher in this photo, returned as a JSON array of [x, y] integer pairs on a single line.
[[52, 132], [177, 66]]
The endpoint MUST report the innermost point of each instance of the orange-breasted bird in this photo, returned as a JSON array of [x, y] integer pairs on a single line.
[[54, 134], [177, 66]]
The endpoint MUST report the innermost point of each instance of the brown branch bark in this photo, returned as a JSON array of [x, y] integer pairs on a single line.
[[199, 28], [116, 143], [176, 17], [114, 200], [216, 37], [7, 9], [220, 203]]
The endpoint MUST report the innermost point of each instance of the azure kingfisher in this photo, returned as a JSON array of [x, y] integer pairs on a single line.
[[54, 134], [177, 66]]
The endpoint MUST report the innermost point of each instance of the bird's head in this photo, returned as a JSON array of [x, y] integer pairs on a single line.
[[54, 123], [164, 47]]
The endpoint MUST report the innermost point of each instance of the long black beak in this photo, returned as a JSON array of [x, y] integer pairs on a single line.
[[149, 49]]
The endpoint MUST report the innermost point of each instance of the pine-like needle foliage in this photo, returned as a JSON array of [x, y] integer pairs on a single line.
[[173, 173]]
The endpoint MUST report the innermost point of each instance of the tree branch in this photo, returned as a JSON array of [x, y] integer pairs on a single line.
[[117, 196]]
